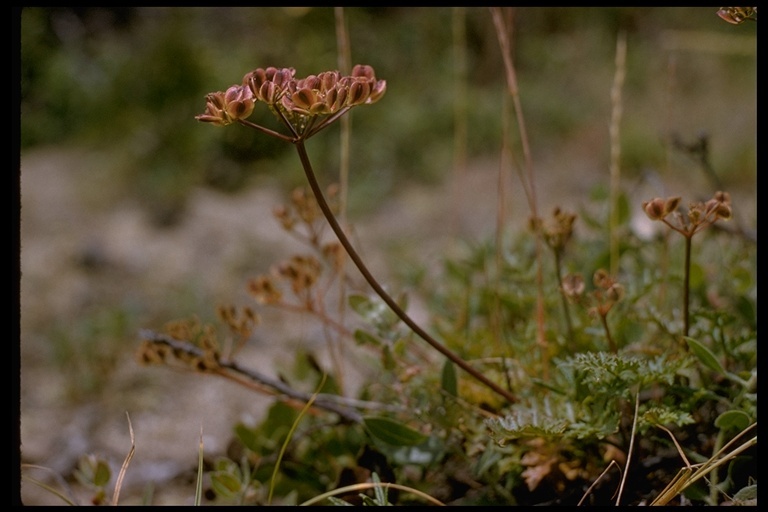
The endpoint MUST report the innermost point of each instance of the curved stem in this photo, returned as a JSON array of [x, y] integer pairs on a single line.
[[378, 288]]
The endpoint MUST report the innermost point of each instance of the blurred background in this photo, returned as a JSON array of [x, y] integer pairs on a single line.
[[134, 214]]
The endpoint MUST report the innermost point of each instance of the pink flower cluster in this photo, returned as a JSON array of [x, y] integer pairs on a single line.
[[294, 100]]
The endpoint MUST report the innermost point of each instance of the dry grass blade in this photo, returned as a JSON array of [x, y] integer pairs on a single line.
[[613, 463], [687, 476], [199, 484], [631, 446], [290, 435], [69, 500], [371, 485], [124, 467]]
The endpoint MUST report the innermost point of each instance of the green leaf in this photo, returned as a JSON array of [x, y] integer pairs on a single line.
[[746, 495], [102, 474], [387, 359], [248, 437], [393, 432], [423, 454], [360, 303], [381, 494], [365, 338], [737, 420], [448, 382], [705, 356], [226, 485], [337, 502]]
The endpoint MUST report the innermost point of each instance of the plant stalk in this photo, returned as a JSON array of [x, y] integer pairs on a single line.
[[687, 283], [566, 310], [461, 363]]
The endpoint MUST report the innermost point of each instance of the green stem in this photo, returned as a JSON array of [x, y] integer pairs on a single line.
[[378, 288], [566, 310], [611, 344], [687, 283]]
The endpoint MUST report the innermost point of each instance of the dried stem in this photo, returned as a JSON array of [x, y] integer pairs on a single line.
[[344, 407], [527, 179]]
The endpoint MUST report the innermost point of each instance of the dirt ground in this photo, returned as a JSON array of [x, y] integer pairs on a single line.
[[80, 257]]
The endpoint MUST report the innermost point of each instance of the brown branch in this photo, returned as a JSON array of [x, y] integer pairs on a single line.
[[461, 363], [344, 407]]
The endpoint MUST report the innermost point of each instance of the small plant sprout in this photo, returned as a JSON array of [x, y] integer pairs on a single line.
[[304, 107], [700, 215]]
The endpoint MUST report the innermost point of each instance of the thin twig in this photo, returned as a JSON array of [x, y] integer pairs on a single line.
[[687, 476], [613, 463]]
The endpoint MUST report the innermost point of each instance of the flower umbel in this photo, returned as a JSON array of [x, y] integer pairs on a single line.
[[700, 215], [304, 106]]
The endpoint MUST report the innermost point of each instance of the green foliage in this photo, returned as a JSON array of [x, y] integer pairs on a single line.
[[93, 472], [315, 457], [392, 432], [593, 388]]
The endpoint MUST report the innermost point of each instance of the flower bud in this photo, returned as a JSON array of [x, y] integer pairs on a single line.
[[602, 279], [215, 112], [615, 292], [573, 285], [238, 102], [378, 91], [724, 211], [359, 91], [303, 100], [655, 209], [671, 204]]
